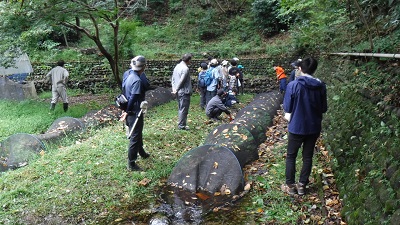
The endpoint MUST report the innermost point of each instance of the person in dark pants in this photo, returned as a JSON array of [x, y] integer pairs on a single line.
[[182, 88], [240, 79], [134, 86], [58, 77], [216, 107], [306, 100], [202, 90], [280, 78]]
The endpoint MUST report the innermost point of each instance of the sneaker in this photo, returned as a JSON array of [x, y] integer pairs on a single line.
[[300, 188], [289, 188], [184, 128]]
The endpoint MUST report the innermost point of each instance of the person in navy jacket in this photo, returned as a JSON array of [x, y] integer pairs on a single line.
[[305, 100], [134, 86]]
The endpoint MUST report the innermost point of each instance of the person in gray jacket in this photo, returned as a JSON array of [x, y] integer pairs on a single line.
[[58, 77], [182, 88], [215, 107]]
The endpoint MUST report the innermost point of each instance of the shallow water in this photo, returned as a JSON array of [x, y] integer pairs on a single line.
[[180, 207]]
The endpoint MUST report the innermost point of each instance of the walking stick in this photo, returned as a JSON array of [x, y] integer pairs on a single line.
[[143, 108]]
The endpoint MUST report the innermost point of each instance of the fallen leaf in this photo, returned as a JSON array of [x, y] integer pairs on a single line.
[[215, 165], [144, 182], [202, 196], [247, 187]]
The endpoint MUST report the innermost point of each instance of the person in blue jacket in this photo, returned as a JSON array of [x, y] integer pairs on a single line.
[[134, 86], [306, 100]]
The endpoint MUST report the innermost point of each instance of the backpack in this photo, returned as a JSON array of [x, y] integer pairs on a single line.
[[208, 76], [121, 102], [202, 81]]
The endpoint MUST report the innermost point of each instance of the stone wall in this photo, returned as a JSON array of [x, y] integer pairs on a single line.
[[362, 138], [259, 75]]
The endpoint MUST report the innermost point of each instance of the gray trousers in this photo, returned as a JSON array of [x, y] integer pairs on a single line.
[[183, 109], [59, 92]]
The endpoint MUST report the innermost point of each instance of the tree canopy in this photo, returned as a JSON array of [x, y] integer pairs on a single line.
[[98, 20], [33, 25]]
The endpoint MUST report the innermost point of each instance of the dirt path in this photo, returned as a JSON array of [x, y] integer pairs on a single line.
[[321, 204]]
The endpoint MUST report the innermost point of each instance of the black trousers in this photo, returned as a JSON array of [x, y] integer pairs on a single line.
[[215, 113], [294, 144], [136, 139]]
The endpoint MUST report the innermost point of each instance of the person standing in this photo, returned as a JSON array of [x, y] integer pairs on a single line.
[[214, 85], [233, 74], [182, 88], [225, 75], [234, 70], [201, 84], [240, 79], [295, 72], [281, 78], [134, 87], [58, 77], [306, 100]]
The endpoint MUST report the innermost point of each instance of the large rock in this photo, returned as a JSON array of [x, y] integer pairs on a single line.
[[16, 91]]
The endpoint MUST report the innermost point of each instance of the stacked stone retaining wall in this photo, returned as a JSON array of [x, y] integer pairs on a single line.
[[259, 75]]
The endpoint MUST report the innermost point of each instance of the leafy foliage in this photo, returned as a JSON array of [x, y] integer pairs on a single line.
[[267, 18]]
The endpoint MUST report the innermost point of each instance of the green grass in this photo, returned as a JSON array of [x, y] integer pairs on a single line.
[[84, 177], [34, 117]]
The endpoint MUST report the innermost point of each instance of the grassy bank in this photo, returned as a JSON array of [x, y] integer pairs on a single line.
[[33, 116], [84, 178]]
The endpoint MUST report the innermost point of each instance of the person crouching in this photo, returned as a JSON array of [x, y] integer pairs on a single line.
[[215, 107]]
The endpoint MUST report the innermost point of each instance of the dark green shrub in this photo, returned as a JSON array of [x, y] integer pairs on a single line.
[[266, 17]]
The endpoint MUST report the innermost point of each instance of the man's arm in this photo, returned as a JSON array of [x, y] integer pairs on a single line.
[[184, 74], [48, 77]]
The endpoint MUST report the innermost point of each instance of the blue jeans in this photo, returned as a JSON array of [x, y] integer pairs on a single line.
[[294, 144], [282, 85]]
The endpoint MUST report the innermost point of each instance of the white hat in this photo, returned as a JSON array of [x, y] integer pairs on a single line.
[[138, 63], [214, 62], [236, 59], [224, 63]]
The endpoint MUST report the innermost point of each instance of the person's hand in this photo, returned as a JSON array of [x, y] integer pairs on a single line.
[[123, 116], [173, 91]]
